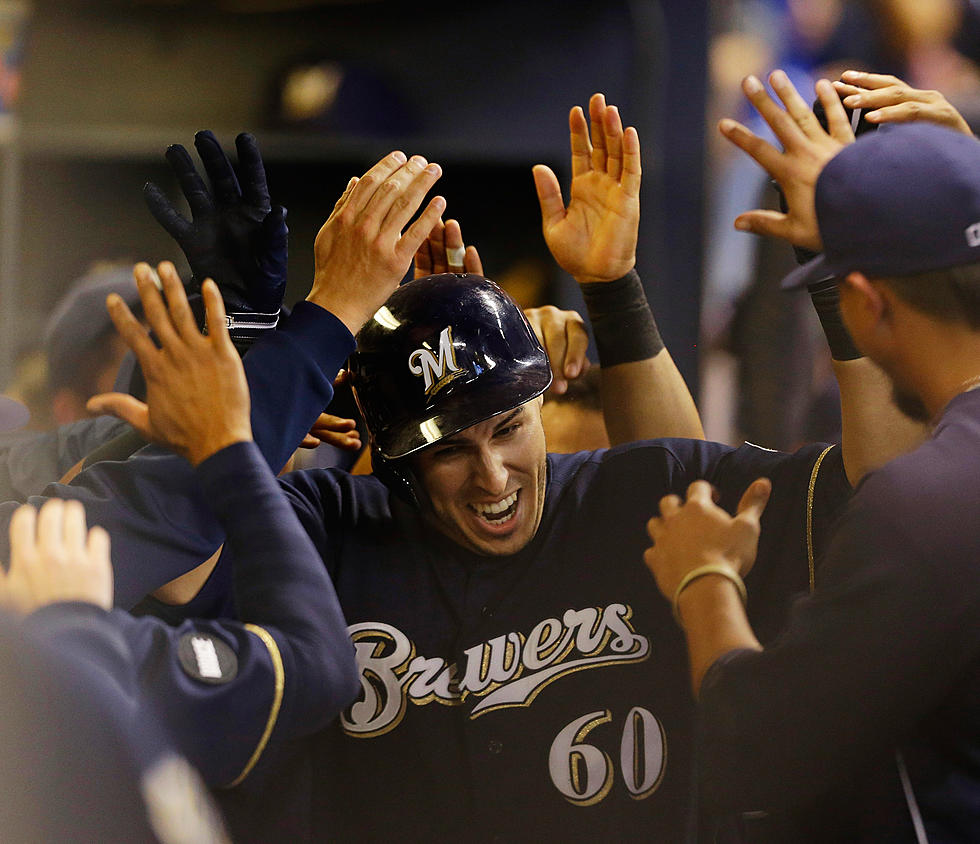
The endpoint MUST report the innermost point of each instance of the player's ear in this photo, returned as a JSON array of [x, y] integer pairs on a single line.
[[863, 306]]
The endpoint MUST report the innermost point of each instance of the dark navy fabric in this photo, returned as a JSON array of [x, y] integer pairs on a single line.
[[566, 643], [884, 656]]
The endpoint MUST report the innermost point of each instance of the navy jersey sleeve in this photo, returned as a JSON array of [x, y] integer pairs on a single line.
[[231, 692], [887, 635], [152, 501]]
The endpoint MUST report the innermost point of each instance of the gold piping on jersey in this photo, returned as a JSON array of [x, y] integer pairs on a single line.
[[280, 673], [809, 516]]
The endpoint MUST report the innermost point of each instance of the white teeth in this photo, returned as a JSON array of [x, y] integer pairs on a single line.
[[497, 507]]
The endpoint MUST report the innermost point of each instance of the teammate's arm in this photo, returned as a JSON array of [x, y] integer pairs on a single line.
[[873, 430], [594, 239]]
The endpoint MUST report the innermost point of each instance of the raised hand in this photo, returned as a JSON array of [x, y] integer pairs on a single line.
[[697, 532], [333, 430], [806, 150], [887, 99], [53, 558], [443, 251], [364, 249], [197, 399], [235, 235], [594, 238], [563, 335]]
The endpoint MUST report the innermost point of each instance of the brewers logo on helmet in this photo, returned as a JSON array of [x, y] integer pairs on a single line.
[[444, 353]]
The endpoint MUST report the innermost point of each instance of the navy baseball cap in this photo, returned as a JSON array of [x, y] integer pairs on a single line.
[[900, 201]]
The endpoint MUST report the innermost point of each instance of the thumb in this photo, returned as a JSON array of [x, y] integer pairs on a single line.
[[124, 407], [754, 499], [549, 195]]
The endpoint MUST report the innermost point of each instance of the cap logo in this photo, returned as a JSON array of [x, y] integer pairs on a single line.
[[973, 234], [439, 369]]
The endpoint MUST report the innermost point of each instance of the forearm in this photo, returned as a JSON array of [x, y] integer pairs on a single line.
[[714, 623], [643, 393], [648, 399], [873, 429]]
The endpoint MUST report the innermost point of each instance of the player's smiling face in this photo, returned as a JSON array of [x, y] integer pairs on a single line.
[[486, 484]]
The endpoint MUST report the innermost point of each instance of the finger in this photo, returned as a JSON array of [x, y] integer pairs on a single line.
[[124, 407], [404, 206], [423, 260], [329, 422], [224, 182], [576, 346], [134, 335], [366, 186], [782, 125], [860, 79], [49, 529], [669, 505], [844, 89], [632, 170], [154, 310], [700, 491], [181, 316], [309, 441], [191, 184], [437, 248], [255, 188], [763, 222], [74, 530], [393, 192], [455, 249], [578, 129], [796, 107], [472, 262], [754, 499], [214, 315], [344, 197], [549, 195], [415, 233], [654, 529], [164, 212], [23, 537], [597, 113], [613, 129], [838, 123], [98, 547], [764, 153]]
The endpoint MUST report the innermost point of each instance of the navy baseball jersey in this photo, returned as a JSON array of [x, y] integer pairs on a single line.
[[877, 675], [543, 695]]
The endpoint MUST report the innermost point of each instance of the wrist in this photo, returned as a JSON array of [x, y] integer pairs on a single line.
[[708, 585], [622, 322], [197, 453]]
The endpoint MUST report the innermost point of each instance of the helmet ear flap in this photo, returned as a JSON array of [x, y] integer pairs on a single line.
[[390, 473]]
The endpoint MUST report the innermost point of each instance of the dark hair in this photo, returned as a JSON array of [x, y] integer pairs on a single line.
[[952, 294], [582, 391]]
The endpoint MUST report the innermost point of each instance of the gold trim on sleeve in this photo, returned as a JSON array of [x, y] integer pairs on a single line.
[[809, 515], [280, 676]]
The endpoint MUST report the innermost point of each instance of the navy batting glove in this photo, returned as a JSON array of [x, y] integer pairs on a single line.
[[235, 235]]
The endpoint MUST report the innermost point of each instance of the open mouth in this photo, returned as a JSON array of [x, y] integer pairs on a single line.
[[498, 512]]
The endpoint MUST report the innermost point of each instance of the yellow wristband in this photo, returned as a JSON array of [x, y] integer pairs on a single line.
[[703, 571]]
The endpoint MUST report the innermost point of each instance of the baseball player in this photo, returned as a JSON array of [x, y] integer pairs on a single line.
[[233, 693], [861, 722], [520, 675]]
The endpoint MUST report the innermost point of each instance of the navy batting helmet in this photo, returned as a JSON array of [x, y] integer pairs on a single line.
[[444, 353]]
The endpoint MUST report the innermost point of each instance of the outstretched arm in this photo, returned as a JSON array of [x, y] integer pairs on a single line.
[[594, 238], [228, 690], [873, 430]]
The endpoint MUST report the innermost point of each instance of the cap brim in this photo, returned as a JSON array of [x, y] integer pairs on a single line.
[[12, 414], [811, 272]]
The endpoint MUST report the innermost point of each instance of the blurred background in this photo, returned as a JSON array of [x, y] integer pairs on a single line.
[[93, 91]]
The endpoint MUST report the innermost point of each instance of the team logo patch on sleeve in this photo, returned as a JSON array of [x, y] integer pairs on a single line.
[[206, 658]]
